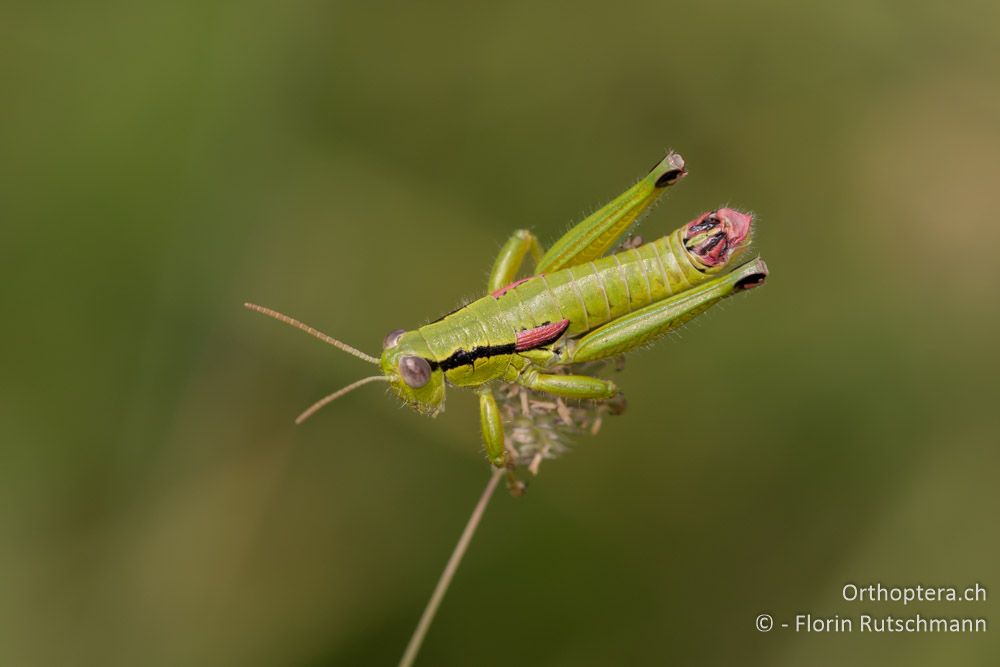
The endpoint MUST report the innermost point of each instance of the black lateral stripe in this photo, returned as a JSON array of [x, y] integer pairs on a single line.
[[467, 358], [669, 178]]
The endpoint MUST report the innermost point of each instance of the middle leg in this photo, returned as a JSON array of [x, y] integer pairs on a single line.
[[568, 386]]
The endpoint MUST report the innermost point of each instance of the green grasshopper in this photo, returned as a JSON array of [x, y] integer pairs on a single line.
[[580, 305]]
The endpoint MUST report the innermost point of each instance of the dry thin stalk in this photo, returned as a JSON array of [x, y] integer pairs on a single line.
[[449, 572]]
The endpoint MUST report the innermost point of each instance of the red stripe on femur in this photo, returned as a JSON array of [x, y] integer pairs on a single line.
[[543, 335], [506, 288]]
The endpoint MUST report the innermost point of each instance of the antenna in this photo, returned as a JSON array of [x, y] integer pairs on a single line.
[[340, 345], [318, 405]]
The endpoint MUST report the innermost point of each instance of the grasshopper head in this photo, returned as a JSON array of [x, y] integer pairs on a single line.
[[412, 372], [714, 238]]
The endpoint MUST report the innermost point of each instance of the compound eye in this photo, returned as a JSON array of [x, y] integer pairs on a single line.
[[392, 338], [416, 371]]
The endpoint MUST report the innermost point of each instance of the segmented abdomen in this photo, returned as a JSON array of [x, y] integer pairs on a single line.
[[475, 343], [594, 293]]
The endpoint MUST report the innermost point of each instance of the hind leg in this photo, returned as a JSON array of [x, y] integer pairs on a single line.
[[511, 258], [657, 319], [598, 233]]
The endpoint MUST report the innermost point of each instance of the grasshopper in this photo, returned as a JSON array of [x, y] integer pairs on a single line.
[[580, 304]]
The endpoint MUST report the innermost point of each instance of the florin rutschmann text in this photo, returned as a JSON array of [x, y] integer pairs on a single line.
[[875, 594]]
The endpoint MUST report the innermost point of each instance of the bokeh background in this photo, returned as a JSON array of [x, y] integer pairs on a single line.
[[358, 166]]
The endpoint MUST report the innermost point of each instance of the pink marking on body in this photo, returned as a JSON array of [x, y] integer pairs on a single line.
[[543, 335], [738, 227], [506, 288], [720, 233]]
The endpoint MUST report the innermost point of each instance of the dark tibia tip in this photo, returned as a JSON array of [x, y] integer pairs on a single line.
[[674, 165], [669, 178], [751, 281]]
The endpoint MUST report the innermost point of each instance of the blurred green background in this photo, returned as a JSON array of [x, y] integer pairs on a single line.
[[358, 166]]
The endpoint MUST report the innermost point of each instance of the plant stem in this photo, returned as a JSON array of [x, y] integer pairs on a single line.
[[449, 572]]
